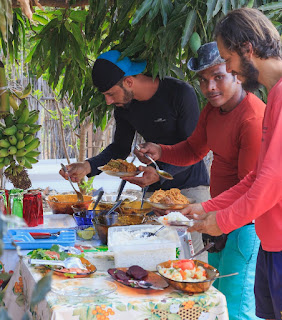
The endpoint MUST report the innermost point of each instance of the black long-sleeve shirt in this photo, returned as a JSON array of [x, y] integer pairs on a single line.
[[169, 117]]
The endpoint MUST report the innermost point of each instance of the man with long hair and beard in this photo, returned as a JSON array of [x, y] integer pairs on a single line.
[[251, 48]]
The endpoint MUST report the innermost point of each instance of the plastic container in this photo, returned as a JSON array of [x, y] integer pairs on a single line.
[[103, 223], [146, 252]]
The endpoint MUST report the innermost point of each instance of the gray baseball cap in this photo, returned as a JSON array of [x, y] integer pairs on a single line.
[[208, 56]]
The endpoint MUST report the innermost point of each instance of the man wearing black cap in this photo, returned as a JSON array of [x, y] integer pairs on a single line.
[[229, 125], [164, 111]]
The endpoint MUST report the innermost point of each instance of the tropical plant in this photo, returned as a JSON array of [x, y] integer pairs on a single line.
[[64, 42]]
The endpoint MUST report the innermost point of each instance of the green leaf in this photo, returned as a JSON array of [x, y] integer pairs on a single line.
[[166, 8], [78, 16], [104, 122], [42, 287], [140, 13], [225, 6], [37, 17], [271, 6], [210, 8], [155, 9], [77, 34], [250, 4], [217, 7], [233, 4], [188, 29], [178, 72]]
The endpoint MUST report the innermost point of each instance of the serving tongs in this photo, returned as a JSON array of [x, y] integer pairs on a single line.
[[68, 263], [144, 284]]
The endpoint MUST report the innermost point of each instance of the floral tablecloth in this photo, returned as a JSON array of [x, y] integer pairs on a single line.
[[122, 304]]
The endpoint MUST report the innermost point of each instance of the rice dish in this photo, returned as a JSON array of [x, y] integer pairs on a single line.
[[173, 216], [179, 272], [124, 237], [131, 247], [175, 219]]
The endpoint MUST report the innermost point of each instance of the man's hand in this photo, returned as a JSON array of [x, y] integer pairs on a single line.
[[149, 176], [206, 223], [76, 171], [152, 149], [195, 208]]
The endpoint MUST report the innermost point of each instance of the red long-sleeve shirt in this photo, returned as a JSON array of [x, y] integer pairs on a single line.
[[234, 138], [259, 195]]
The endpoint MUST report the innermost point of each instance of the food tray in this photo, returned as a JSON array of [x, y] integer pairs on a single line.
[[25, 241]]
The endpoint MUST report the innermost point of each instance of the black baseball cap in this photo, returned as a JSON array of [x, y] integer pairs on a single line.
[[108, 69]]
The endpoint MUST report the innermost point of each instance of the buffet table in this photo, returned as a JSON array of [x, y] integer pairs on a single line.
[[121, 304]]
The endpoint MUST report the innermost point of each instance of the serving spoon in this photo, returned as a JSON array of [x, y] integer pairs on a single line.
[[225, 275], [113, 208], [150, 234], [79, 194], [100, 195], [160, 172]]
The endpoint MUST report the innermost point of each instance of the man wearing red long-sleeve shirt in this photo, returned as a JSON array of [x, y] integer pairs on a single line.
[[230, 125]]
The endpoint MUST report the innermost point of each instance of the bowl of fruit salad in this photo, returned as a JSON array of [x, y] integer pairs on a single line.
[[191, 276]]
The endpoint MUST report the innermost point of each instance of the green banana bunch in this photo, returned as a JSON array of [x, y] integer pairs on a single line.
[[18, 143]]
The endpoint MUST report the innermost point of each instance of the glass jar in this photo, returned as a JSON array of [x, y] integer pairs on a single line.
[[33, 208], [16, 202]]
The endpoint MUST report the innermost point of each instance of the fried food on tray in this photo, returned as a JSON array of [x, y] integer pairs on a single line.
[[172, 196], [119, 165]]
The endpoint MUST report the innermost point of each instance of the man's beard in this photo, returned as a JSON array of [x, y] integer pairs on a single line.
[[127, 98], [250, 75]]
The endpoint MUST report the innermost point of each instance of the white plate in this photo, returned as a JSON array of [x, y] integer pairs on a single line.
[[111, 197], [81, 288], [119, 173], [176, 224]]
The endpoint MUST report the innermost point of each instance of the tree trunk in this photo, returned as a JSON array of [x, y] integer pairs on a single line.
[[83, 134]]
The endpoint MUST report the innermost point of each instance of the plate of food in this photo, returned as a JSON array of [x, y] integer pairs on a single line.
[[75, 272], [191, 276], [169, 200], [120, 168], [56, 254], [138, 278]]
